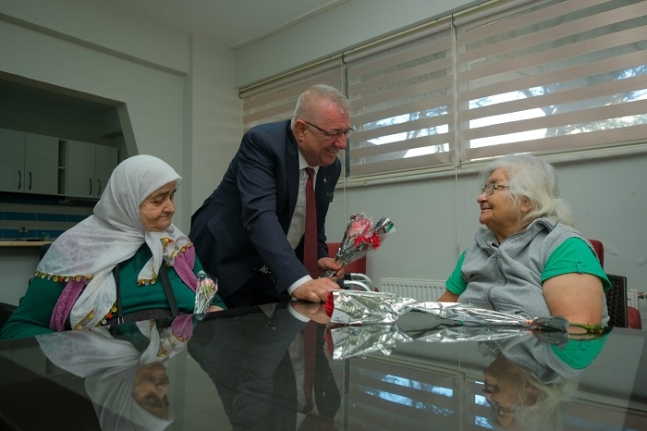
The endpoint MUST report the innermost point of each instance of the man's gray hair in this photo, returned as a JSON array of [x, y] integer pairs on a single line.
[[308, 102]]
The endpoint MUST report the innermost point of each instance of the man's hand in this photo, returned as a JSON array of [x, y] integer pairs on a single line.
[[328, 263], [313, 311], [315, 290]]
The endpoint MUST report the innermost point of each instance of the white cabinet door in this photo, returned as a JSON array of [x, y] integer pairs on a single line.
[[12, 162], [87, 168], [105, 161], [79, 169], [41, 164], [29, 162]]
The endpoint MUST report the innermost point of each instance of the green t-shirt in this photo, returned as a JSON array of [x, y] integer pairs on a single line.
[[579, 354], [571, 256], [33, 315]]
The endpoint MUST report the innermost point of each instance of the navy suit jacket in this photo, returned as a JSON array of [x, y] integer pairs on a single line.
[[243, 225], [247, 357]]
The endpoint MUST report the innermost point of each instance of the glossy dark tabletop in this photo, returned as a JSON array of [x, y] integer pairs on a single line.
[[243, 369]]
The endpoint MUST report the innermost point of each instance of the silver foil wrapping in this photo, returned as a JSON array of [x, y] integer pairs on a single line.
[[349, 341], [365, 322], [350, 307], [359, 340], [480, 316], [356, 307]]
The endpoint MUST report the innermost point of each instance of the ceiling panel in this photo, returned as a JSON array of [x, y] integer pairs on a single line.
[[235, 22]]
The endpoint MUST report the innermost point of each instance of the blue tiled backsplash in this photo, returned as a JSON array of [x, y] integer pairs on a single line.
[[41, 216]]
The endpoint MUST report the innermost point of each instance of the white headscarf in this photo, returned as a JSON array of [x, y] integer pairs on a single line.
[[113, 235], [109, 366]]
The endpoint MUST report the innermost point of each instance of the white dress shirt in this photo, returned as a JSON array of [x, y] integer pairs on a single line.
[[298, 222]]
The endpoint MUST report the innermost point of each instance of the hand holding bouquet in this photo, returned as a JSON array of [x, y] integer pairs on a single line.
[[204, 293], [360, 237]]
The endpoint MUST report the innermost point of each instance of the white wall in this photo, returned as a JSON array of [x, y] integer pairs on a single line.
[[214, 119], [436, 218], [178, 89], [345, 26]]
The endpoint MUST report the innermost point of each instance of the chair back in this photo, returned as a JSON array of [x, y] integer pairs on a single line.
[[599, 250], [617, 301], [617, 295]]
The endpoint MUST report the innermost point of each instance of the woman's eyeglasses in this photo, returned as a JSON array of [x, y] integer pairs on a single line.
[[491, 187]]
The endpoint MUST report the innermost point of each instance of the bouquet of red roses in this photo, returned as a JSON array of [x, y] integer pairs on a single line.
[[360, 237]]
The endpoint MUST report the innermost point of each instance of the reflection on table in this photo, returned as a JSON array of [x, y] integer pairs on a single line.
[[244, 369]]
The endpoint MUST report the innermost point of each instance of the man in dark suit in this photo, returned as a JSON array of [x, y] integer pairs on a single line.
[[249, 232], [249, 358]]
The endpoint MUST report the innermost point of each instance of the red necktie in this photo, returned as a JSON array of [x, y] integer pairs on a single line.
[[310, 258], [310, 253], [309, 359]]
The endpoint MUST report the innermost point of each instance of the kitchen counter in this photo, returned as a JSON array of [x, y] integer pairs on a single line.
[[23, 243]]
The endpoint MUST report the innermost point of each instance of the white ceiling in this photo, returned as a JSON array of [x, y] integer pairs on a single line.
[[235, 22]]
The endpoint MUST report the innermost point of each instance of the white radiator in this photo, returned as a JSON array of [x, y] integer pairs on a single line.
[[421, 290]]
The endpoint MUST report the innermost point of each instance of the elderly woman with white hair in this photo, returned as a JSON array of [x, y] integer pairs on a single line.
[[528, 259], [127, 262]]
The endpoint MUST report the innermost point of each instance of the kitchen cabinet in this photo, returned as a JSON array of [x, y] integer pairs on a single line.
[[87, 168], [29, 162], [12, 162], [105, 161]]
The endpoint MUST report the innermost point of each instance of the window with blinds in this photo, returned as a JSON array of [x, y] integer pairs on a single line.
[[541, 76], [387, 396], [275, 100], [402, 103], [392, 395], [552, 76]]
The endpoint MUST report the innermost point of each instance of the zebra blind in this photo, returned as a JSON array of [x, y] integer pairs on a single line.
[[402, 103], [552, 76], [276, 100], [540, 76]]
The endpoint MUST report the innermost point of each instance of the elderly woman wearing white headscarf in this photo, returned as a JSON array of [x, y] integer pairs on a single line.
[[107, 267], [126, 380]]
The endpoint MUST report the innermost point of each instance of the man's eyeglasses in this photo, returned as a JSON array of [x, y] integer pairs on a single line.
[[335, 134], [491, 187]]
